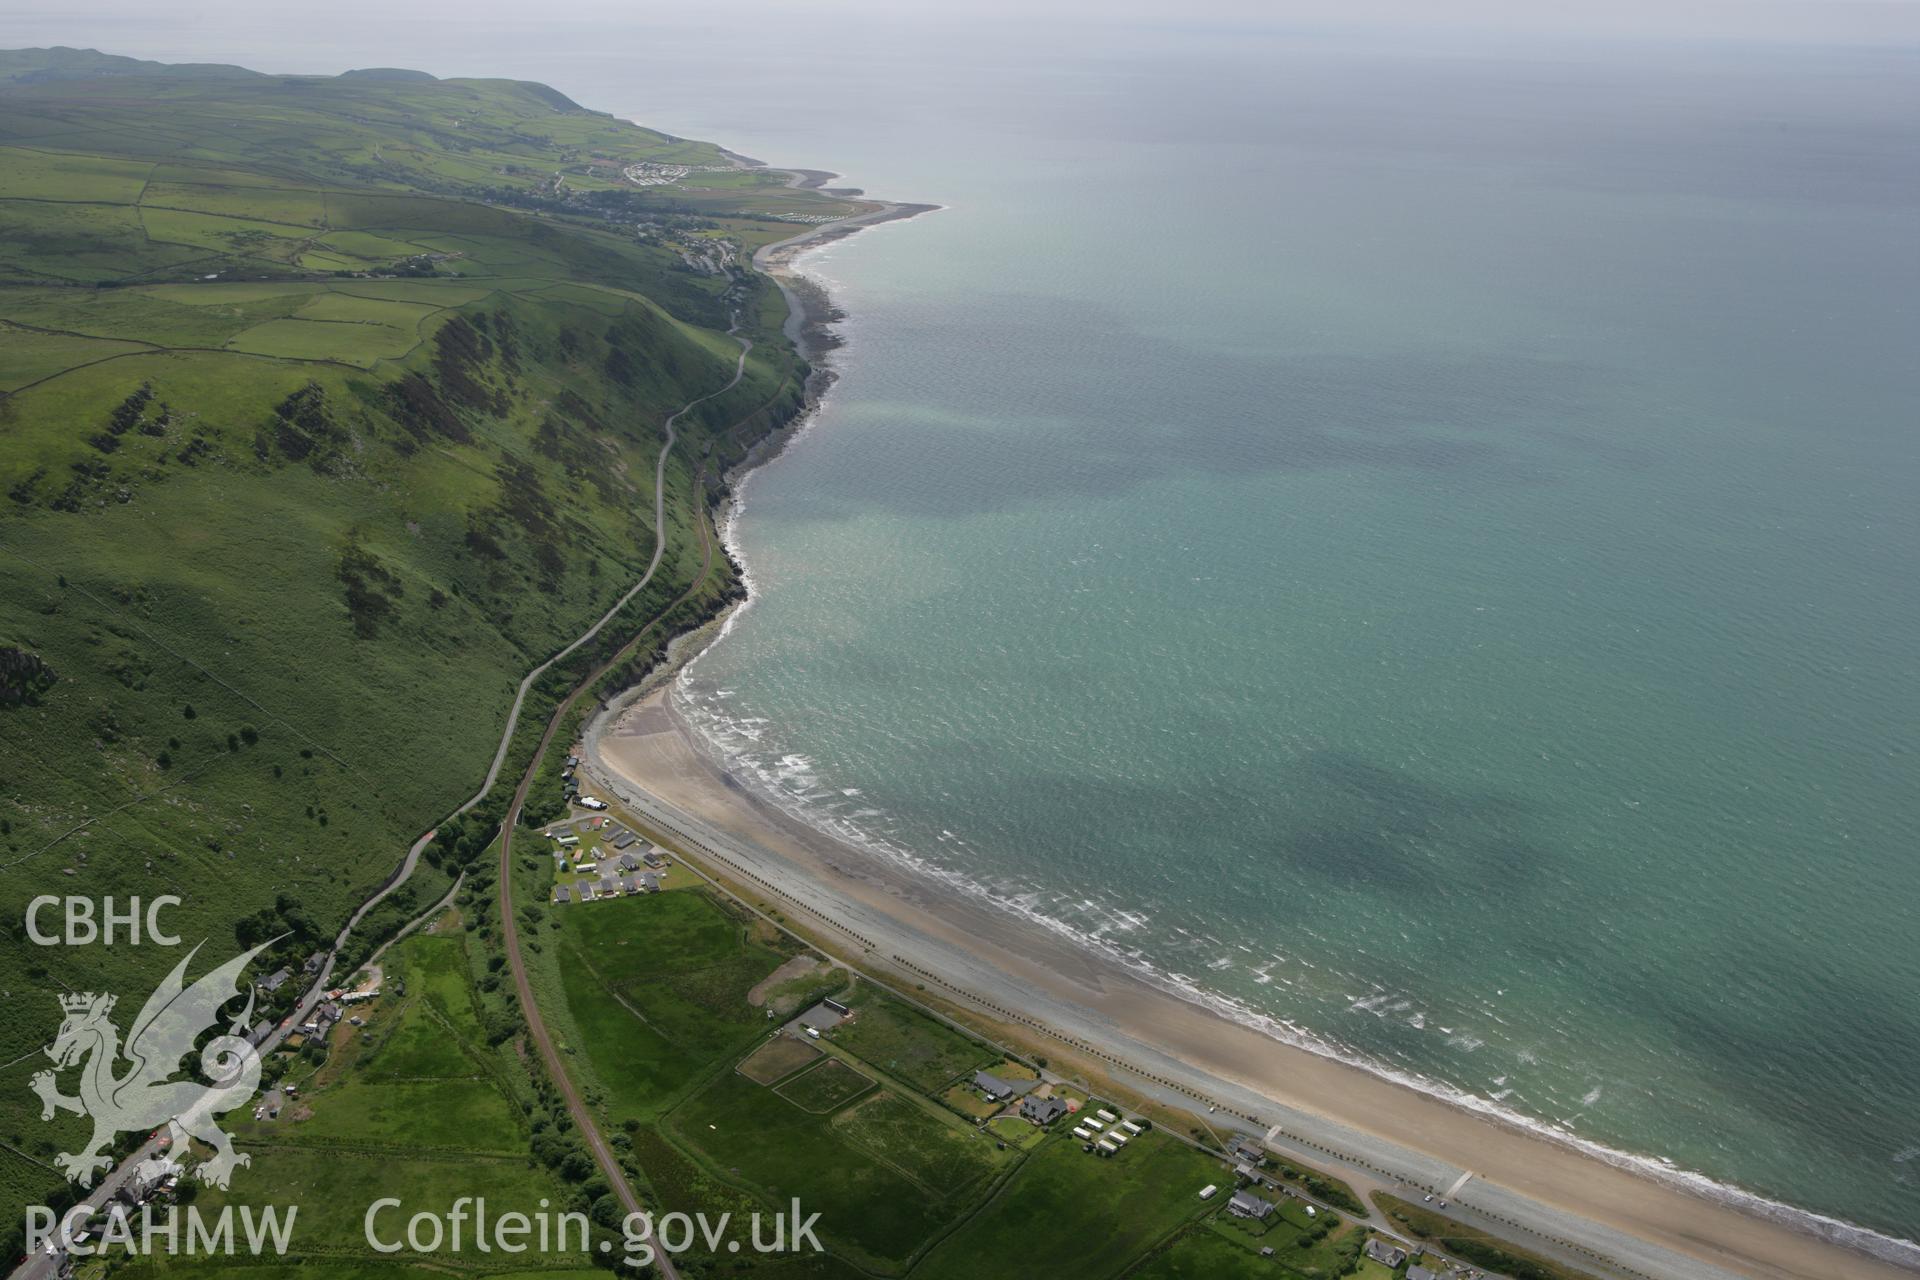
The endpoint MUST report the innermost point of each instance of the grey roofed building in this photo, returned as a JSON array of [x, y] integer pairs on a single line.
[[624, 838], [1042, 1110], [585, 890], [1001, 1090], [560, 894], [608, 885], [1421, 1273], [630, 884], [1248, 1149], [1247, 1171], [327, 1014], [821, 1018], [261, 1030], [314, 962], [276, 980], [653, 858], [993, 1086], [1245, 1204], [1387, 1255], [628, 862], [650, 882]]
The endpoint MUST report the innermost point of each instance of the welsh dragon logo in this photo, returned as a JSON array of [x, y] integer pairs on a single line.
[[144, 1096]]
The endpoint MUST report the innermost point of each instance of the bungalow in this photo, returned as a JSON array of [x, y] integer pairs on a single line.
[[276, 980], [314, 962], [261, 1030], [1417, 1272], [650, 882], [327, 1014], [623, 838], [609, 887], [654, 859], [585, 889], [1244, 1204], [1387, 1255], [630, 885], [1042, 1111], [1248, 1149], [627, 862], [561, 895]]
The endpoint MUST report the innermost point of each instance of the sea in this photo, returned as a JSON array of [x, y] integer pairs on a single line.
[[1415, 547], [1407, 538]]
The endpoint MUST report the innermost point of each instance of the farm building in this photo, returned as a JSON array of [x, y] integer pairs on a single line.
[[998, 1090], [821, 1017]]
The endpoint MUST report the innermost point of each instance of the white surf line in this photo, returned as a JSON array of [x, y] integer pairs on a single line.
[[659, 548]]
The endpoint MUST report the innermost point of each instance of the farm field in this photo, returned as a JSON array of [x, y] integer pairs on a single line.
[[905, 1043], [1065, 1213], [336, 397]]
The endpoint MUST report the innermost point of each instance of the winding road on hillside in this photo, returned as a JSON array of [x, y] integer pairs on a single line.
[[40, 1266], [536, 1025]]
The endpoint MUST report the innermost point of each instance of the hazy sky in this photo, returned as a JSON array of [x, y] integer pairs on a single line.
[[280, 35]]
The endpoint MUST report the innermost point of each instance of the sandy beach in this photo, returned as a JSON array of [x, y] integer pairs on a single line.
[[1542, 1193], [1079, 1005]]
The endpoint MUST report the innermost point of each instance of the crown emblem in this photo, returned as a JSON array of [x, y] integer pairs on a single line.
[[84, 1001]]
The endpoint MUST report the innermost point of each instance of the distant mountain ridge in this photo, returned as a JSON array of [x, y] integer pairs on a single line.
[[61, 62]]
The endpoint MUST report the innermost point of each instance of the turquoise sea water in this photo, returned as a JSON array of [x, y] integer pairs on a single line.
[[1418, 548], [1416, 544]]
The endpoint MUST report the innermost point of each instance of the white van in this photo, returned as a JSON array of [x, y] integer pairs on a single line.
[[590, 802]]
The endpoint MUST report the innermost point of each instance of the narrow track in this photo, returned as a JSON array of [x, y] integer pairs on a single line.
[[536, 1026]]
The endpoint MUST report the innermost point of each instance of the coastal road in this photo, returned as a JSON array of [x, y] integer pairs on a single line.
[[772, 259], [537, 1032], [38, 1266]]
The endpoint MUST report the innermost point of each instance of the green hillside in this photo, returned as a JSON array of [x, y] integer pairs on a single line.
[[328, 408]]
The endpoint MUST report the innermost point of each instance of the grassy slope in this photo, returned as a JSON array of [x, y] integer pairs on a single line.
[[286, 538]]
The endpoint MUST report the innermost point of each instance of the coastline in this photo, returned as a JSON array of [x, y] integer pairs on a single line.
[[1541, 1191]]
